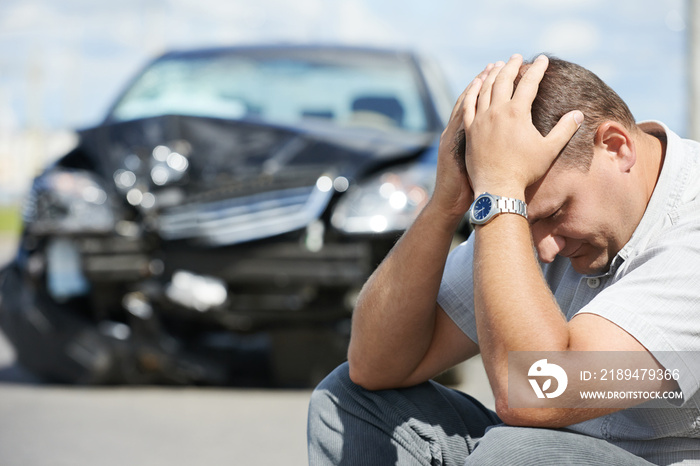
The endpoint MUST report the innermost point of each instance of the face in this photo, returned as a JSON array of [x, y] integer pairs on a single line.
[[580, 215]]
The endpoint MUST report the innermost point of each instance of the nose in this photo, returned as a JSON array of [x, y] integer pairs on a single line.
[[548, 246]]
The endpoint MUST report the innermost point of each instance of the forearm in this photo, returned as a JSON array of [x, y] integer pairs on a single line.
[[515, 310], [399, 335], [395, 315], [505, 155]]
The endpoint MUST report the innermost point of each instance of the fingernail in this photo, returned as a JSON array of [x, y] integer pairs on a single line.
[[578, 117], [499, 64], [541, 57]]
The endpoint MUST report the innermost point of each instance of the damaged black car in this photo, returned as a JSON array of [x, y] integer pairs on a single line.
[[217, 226]]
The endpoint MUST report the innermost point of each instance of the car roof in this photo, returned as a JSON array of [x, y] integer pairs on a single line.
[[293, 49]]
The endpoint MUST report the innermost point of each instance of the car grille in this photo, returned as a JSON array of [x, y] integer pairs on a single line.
[[247, 218]]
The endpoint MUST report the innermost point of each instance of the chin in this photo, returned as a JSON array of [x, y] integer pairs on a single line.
[[588, 265]]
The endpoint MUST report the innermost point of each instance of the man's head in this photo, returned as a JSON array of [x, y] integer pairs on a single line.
[[566, 87], [591, 200]]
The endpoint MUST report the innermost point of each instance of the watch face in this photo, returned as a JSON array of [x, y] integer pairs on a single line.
[[482, 207]]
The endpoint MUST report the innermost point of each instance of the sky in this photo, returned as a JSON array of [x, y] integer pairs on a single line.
[[63, 61]]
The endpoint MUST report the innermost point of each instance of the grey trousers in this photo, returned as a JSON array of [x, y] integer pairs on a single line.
[[430, 424]]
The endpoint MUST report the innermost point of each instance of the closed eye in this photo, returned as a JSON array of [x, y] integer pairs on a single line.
[[553, 214], [546, 217]]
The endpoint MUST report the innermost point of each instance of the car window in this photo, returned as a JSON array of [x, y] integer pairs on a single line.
[[379, 93], [442, 94]]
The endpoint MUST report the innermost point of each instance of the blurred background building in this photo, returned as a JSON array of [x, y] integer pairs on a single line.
[[63, 61]]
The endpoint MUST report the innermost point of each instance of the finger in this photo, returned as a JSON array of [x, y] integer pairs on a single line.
[[486, 71], [469, 105], [457, 110], [529, 84], [455, 127], [455, 123], [503, 85], [478, 80], [486, 87], [453, 135], [564, 130]]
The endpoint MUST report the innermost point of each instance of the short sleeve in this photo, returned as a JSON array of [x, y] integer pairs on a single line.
[[657, 301], [456, 295]]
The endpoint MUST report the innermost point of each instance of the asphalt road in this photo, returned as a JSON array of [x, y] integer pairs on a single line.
[[48, 425]]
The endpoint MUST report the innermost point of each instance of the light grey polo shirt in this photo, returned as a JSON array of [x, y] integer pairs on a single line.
[[652, 291]]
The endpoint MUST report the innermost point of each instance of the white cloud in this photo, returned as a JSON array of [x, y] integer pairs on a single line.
[[559, 5], [108, 41], [675, 21], [356, 23], [30, 15], [570, 38]]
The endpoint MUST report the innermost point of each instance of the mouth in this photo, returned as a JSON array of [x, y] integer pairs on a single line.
[[573, 254]]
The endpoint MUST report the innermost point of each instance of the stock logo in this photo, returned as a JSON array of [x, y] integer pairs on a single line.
[[542, 369]]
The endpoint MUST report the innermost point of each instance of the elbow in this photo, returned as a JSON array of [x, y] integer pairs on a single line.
[[357, 371], [531, 417], [510, 416], [370, 378], [506, 414], [364, 377], [519, 417], [360, 369], [359, 378]]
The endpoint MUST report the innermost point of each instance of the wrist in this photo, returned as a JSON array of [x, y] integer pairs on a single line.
[[501, 190], [449, 217], [487, 206]]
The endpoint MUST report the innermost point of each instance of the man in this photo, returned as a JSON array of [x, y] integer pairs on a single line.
[[612, 209]]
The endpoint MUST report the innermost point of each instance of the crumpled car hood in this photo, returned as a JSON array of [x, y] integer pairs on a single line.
[[223, 152], [240, 180]]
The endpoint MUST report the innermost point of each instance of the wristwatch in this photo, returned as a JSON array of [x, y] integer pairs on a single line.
[[486, 206]]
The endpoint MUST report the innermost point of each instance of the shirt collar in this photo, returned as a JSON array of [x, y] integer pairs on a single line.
[[667, 192]]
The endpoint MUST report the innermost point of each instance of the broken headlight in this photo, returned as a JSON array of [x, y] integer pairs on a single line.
[[67, 202], [387, 202]]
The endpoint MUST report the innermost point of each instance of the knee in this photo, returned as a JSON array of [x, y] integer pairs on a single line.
[[501, 445], [338, 378], [326, 396], [325, 423], [517, 445]]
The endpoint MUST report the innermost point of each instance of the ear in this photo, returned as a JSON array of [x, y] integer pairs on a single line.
[[616, 141]]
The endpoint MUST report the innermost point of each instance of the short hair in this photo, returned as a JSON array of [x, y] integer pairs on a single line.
[[566, 87]]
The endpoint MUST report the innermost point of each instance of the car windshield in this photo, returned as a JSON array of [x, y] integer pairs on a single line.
[[373, 91]]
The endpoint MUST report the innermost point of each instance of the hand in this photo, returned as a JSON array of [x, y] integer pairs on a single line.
[[453, 192], [505, 152]]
